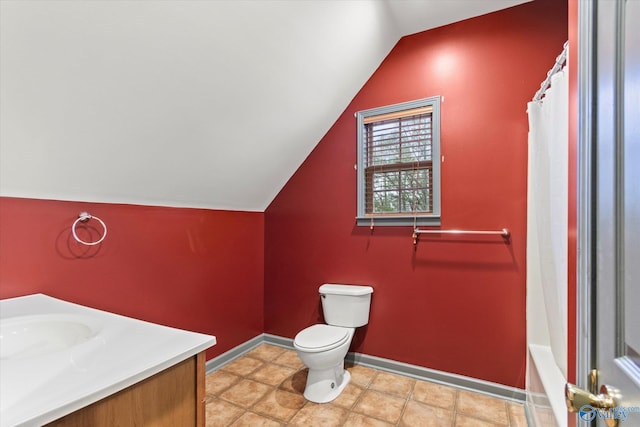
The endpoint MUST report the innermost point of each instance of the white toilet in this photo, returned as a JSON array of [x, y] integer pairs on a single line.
[[322, 348]]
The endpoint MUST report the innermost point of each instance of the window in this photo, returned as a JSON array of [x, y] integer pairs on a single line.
[[399, 164]]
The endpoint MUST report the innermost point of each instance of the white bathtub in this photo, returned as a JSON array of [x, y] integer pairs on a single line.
[[57, 357], [545, 405]]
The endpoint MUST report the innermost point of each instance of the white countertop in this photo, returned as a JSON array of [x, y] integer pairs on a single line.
[[121, 352]]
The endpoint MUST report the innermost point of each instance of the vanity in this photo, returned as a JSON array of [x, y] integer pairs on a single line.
[[63, 364]]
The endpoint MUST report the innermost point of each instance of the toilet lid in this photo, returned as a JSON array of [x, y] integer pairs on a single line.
[[321, 336]]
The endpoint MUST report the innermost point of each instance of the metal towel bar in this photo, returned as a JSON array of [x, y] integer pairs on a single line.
[[505, 233]]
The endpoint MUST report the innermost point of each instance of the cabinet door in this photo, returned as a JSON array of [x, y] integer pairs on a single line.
[[173, 397]]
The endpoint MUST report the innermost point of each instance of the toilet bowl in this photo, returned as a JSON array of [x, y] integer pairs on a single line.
[[323, 347]]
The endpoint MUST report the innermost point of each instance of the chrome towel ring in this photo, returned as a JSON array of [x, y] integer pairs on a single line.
[[85, 217]]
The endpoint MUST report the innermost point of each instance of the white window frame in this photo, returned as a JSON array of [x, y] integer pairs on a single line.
[[408, 218]]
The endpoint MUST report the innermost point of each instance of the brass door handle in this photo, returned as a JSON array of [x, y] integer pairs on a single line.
[[588, 404]]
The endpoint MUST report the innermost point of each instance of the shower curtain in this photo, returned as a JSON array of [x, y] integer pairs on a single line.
[[547, 205]]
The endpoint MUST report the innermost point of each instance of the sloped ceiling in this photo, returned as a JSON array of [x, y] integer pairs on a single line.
[[209, 104]]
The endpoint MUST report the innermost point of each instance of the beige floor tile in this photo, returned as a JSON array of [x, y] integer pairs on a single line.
[[219, 381], [280, 404], [296, 382], [289, 358], [359, 420], [434, 394], [398, 385], [243, 366], [219, 413], [378, 405], [349, 395], [517, 417], [249, 419], [466, 421], [245, 393], [266, 352], [319, 415], [361, 375], [484, 407], [418, 414], [271, 374], [266, 386]]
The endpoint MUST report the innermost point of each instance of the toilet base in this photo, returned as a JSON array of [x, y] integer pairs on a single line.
[[324, 385]]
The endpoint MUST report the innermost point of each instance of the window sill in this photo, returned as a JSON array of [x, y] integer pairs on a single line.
[[398, 221]]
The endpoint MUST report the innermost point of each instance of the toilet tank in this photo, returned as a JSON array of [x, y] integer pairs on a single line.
[[346, 305]]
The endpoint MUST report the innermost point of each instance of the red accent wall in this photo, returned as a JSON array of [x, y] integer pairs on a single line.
[[195, 269], [455, 304]]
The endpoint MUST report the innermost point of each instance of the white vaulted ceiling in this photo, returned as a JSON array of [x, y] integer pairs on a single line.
[[199, 103]]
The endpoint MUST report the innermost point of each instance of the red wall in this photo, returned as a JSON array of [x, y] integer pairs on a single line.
[[194, 269], [455, 304]]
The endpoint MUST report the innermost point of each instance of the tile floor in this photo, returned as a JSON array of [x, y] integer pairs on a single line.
[[264, 388]]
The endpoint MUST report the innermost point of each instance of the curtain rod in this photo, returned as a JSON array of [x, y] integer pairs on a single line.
[[560, 60]]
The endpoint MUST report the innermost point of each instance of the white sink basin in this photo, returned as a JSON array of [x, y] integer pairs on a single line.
[[38, 335], [57, 357]]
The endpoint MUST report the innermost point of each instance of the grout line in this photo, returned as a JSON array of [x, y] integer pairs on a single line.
[[406, 403]]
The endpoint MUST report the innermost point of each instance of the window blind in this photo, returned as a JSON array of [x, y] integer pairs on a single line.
[[398, 162]]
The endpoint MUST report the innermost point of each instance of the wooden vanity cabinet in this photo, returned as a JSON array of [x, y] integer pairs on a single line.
[[173, 397]]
